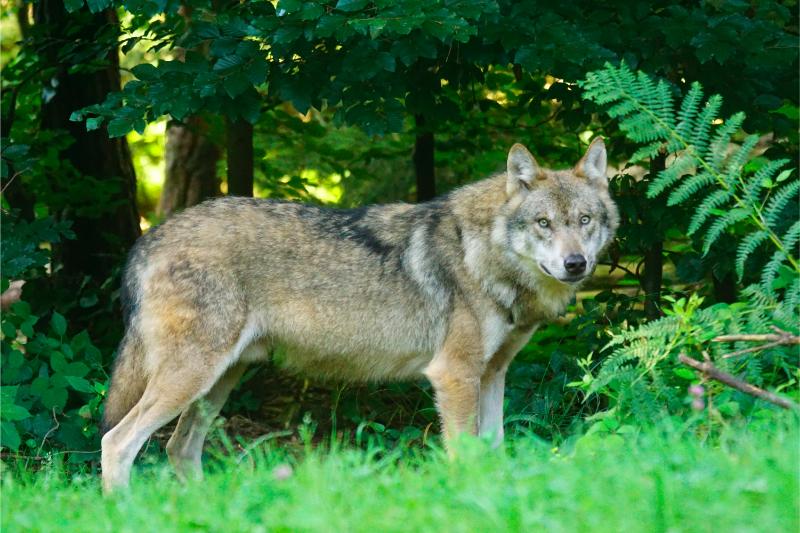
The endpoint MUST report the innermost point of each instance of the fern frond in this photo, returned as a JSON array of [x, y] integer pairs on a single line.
[[721, 224], [647, 152], [714, 200], [770, 271], [701, 136], [689, 187], [683, 164], [663, 104], [764, 176], [733, 167], [690, 108], [747, 247], [791, 237], [779, 201], [793, 296], [722, 139]]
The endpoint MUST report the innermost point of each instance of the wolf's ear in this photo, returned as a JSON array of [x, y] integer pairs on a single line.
[[522, 169], [594, 162]]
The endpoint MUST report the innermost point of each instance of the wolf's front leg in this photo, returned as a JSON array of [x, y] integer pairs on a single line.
[[455, 375], [493, 383], [491, 406]]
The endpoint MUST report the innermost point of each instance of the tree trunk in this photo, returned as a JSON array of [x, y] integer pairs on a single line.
[[239, 138], [191, 166], [654, 258], [423, 161], [103, 232]]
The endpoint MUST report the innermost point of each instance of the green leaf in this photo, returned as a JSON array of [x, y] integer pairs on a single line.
[[15, 151], [73, 5], [54, 398], [39, 385], [8, 394], [9, 436], [76, 369], [386, 61], [10, 411], [58, 362], [228, 62], [119, 127], [96, 6], [684, 373], [145, 72], [289, 6], [9, 330], [783, 176], [350, 5], [79, 384], [236, 84], [94, 123], [27, 327], [257, 71], [58, 323]]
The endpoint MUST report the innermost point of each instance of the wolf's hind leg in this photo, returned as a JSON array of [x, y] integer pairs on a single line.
[[185, 447], [170, 390]]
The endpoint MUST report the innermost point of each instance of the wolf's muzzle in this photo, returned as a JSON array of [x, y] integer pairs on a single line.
[[575, 264]]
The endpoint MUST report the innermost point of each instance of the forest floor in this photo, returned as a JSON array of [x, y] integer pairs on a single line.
[[664, 479]]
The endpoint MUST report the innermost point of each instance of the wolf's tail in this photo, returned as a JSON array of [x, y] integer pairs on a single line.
[[128, 381]]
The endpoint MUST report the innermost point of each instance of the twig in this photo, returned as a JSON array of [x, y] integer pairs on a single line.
[[713, 372], [753, 349], [780, 338]]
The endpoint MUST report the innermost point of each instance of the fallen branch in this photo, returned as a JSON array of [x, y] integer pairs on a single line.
[[781, 338], [713, 372]]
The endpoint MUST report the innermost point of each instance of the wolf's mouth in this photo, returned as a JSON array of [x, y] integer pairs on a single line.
[[570, 279]]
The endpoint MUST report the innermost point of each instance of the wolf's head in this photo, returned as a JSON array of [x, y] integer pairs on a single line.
[[556, 223]]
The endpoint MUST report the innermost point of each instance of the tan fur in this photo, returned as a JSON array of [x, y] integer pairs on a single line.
[[450, 290]]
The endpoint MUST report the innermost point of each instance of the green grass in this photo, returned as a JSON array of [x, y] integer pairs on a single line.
[[647, 481]]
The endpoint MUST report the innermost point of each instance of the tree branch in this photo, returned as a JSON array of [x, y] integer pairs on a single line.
[[780, 338], [713, 372]]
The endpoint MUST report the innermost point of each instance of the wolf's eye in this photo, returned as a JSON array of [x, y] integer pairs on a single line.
[[543, 222], [585, 219]]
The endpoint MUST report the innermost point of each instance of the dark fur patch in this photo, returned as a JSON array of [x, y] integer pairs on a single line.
[[349, 224]]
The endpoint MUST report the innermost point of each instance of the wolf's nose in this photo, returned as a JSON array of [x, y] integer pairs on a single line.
[[575, 264]]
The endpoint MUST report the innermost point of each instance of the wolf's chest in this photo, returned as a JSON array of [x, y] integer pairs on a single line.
[[542, 304]]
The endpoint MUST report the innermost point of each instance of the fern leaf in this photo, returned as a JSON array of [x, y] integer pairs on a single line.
[[721, 224], [713, 201], [779, 201], [747, 247], [690, 107], [770, 271], [733, 167], [689, 187], [663, 105], [722, 138], [760, 180], [647, 152], [791, 237], [793, 297], [682, 165], [701, 136]]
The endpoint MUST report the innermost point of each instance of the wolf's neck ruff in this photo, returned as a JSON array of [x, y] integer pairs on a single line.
[[450, 289]]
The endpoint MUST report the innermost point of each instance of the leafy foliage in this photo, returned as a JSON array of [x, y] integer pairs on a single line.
[[53, 382], [703, 164], [642, 372]]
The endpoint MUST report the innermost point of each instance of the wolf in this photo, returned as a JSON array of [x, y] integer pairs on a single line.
[[449, 289]]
